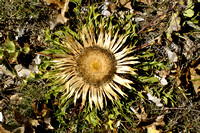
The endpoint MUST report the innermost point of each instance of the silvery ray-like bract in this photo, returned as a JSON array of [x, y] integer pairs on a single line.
[[92, 70]]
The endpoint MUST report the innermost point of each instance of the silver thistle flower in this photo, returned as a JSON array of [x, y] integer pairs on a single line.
[[91, 71]]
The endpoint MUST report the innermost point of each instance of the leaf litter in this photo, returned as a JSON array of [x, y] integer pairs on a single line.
[[178, 47]]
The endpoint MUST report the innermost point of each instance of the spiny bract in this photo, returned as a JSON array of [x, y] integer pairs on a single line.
[[91, 71]]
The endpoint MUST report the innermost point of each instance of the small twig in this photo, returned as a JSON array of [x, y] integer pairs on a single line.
[[147, 44], [45, 54], [179, 108], [156, 18], [150, 43], [74, 111]]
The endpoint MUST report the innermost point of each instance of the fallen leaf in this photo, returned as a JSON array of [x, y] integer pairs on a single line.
[[60, 17], [163, 81], [147, 2], [189, 12], [108, 8], [40, 109], [22, 71], [4, 70], [34, 122], [158, 122], [141, 116], [37, 59], [189, 48], [152, 129], [174, 25], [154, 99], [148, 123], [35, 63], [2, 130], [21, 119], [171, 55], [48, 122], [58, 20], [1, 117], [195, 78], [125, 3]]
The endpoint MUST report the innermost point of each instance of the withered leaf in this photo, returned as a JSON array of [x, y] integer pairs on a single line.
[[19, 117], [148, 123], [2, 130], [195, 78], [63, 6], [174, 25], [125, 3]]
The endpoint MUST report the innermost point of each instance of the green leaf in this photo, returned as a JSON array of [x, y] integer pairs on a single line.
[[110, 123], [147, 55], [26, 49], [189, 12], [47, 35], [166, 100], [44, 65], [53, 51], [92, 118], [193, 25], [149, 79], [70, 31], [76, 1], [59, 33], [1, 53], [10, 46], [13, 57]]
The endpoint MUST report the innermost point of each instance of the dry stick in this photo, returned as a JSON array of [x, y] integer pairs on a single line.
[[179, 108], [145, 45], [45, 54], [74, 111]]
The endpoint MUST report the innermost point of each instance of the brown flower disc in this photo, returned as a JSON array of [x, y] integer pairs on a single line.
[[96, 65]]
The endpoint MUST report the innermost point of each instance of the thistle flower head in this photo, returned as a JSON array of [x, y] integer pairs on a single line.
[[92, 70]]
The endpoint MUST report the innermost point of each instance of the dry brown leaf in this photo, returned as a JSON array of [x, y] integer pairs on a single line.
[[195, 78], [58, 20], [22, 71], [60, 5], [147, 2], [125, 3], [4, 70], [158, 122], [148, 123], [21, 119], [174, 25], [47, 121], [141, 116], [152, 129], [2, 130], [56, 2], [171, 55], [150, 2]]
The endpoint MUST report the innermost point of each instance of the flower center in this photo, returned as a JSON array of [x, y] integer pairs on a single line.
[[96, 65]]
